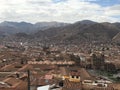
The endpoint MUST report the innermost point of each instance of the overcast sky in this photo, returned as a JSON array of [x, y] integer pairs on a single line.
[[60, 10]]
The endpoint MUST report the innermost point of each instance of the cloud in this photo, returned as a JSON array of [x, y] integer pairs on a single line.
[[57, 10], [113, 10]]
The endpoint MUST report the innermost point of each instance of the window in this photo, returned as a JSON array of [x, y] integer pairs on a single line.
[[77, 77], [72, 76]]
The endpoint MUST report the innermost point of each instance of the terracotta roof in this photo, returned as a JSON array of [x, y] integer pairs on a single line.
[[75, 73], [80, 72], [11, 81], [16, 84], [84, 74], [25, 67], [91, 87], [72, 85], [48, 77], [116, 86]]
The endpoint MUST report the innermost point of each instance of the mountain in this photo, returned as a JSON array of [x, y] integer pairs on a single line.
[[116, 38], [87, 22], [46, 25], [14, 27], [78, 32], [82, 31], [9, 28], [16, 24], [117, 24]]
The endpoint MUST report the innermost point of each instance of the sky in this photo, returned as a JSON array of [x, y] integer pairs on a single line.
[[68, 11]]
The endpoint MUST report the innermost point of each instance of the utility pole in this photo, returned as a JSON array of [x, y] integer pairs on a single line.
[[28, 71]]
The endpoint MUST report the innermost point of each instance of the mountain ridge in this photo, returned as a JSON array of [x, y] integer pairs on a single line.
[[85, 30]]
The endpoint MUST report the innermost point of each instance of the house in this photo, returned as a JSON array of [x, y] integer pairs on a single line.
[[12, 83], [74, 77]]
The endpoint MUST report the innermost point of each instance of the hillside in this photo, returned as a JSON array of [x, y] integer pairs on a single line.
[[80, 31], [54, 32], [9, 28]]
